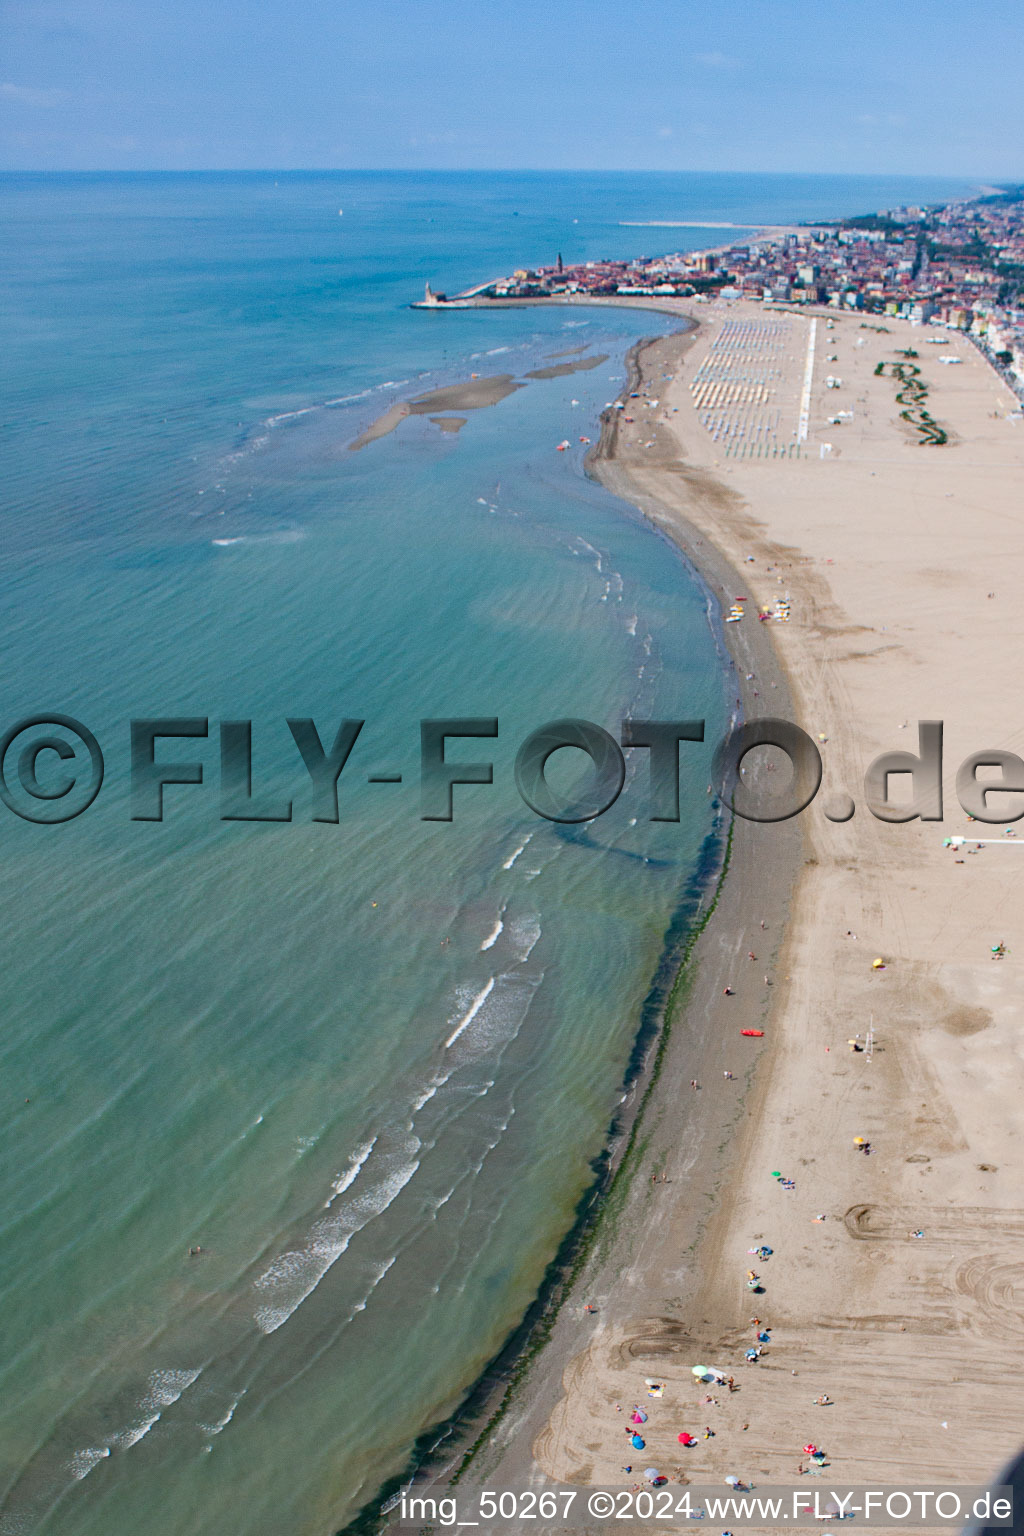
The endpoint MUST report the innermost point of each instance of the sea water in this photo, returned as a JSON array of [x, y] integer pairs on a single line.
[[362, 1067]]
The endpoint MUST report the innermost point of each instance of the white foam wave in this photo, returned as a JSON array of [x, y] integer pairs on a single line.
[[346, 1179], [631, 624], [495, 933], [511, 860], [598, 564], [525, 933], [285, 1284], [494, 1017], [282, 536], [275, 421], [82, 1462], [428, 1093], [347, 399], [360, 1306], [220, 1424], [136, 1432], [163, 1389], [471, 1014]]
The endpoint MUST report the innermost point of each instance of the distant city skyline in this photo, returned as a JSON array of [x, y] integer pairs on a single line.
[[928, 87]]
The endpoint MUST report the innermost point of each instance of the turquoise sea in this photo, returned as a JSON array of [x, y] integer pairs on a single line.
[[363, 1067]]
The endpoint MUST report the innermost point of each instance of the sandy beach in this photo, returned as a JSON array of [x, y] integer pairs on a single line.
[[895, 1286]]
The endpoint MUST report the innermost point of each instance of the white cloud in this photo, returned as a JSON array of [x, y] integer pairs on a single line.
[[664, 133], [29, 96]]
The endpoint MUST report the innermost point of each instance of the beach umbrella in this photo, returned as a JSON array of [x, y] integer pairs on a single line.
[[860, 1141], [700, 1370], [776, 1173], [878, 964], [638, 1444], [685, 1438], [637, 1417], [651, 1472], [810, 1450], [733, 1482]]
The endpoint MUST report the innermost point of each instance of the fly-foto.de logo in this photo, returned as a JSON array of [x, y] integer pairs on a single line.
[[52, 769]]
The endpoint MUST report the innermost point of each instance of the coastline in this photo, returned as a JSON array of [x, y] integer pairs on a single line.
[[701, 1034], [881, 637], [686, 990], [894, 560]]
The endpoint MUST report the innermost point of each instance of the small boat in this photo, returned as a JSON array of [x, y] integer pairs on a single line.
[[755, 1032], [563, 445]]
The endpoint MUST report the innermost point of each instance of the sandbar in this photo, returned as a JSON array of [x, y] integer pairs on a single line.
[[559, 370], [469, 395]]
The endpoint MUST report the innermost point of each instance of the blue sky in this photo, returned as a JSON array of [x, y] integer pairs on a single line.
[[773, 85]]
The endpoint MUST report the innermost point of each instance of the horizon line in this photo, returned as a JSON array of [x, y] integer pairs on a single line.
[[403, 170]]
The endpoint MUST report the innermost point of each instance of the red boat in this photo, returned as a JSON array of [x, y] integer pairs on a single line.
[[757, 1032]]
